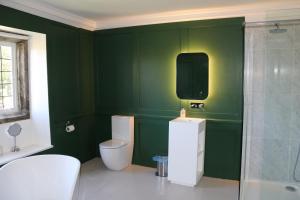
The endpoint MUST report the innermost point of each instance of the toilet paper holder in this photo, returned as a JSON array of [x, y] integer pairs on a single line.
[[70, 127]]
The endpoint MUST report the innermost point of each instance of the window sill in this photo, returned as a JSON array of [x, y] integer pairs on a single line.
[[14, 117], [26, 151]]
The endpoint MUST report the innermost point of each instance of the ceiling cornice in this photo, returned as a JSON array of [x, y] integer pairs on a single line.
[[251, 12], [51, 13]]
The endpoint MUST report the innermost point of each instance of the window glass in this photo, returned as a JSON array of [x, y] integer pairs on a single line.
[[7, 96]]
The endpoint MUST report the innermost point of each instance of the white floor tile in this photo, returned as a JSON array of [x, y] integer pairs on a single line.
[[139, 183]]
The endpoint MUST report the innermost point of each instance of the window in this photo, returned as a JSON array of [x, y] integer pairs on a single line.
[[31, 88], [14, 100], [7, 76]]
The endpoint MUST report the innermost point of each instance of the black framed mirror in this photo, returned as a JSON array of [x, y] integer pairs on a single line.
[[192, 76]]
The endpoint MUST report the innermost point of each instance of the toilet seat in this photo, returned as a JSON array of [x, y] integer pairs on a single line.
[[113, 144]]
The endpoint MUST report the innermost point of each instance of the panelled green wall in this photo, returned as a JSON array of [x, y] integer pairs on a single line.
[[133, 72], [135, 75], [70, 81]]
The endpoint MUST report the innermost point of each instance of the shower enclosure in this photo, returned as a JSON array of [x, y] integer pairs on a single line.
[[271, 139]]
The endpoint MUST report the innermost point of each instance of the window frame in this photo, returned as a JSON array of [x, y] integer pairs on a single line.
[[15, 109], [21, 94]]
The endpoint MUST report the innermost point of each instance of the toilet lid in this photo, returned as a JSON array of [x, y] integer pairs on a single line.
[[113, 144]]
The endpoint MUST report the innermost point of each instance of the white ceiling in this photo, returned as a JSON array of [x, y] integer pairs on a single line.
[[104, 14], [102, 9]]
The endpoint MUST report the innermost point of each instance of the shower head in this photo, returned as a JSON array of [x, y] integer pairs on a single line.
[[277, 29]]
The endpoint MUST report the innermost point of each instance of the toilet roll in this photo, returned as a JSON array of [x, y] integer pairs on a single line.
[[70, 128]]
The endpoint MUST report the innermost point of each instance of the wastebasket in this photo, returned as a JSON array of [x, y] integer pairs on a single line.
[[162, 165]]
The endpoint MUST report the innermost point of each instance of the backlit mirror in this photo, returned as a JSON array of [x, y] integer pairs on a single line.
[[192, 76]]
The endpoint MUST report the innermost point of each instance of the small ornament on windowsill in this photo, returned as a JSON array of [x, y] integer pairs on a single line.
[[14, 130]]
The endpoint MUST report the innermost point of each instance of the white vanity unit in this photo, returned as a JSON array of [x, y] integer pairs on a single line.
[[186, 150]]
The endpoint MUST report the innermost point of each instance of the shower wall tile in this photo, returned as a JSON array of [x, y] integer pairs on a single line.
[[268, 159], [279, 70], [297, 38], [260, 38], [293, 164], [295, 117], [295, 96], [275, 165], [255, 158], [277, 116], [258, 99], [257, 121], [259, 69], [296, 73]]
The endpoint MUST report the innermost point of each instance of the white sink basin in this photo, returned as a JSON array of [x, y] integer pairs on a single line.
[[186, 150], [188, 120]]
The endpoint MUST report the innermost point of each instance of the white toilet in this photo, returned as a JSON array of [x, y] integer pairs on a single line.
[[117, 152]]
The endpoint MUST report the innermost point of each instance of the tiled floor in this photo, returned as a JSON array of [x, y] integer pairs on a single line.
[[139, 183]]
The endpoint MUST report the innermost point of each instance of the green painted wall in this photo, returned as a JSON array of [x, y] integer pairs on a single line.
[[132, 71], [70, 80], [135, 74]]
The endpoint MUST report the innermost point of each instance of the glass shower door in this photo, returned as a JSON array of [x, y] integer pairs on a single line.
[[271, 140]]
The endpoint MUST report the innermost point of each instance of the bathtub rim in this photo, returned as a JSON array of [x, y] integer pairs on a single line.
[[77, 167]]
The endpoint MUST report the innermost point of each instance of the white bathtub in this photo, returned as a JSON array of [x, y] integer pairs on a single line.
[[44, 177]]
